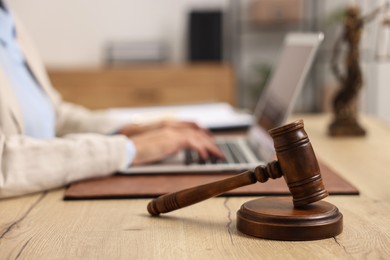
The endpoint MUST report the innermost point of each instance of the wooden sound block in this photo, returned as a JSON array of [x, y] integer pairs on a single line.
[[277, 218]]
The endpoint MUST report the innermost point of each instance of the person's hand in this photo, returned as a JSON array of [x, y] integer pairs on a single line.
[[158, 144], [135, 129]]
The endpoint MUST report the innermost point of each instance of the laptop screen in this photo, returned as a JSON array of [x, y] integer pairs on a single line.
[[287, 80], [278, 99]]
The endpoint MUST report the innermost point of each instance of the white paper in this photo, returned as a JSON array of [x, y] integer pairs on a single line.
[[208, 115]]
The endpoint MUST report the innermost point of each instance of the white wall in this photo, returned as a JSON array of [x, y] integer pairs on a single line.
[[74, 32]]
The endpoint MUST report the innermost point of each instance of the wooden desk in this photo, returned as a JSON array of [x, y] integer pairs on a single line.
[[42, 226]]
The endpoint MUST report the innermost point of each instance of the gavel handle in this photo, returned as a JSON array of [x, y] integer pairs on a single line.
[[190, 196]]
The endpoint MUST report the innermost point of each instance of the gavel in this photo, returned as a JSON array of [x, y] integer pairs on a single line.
[[296, 162]]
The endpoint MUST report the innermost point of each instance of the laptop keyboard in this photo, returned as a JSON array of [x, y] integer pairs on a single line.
[[231, 150]]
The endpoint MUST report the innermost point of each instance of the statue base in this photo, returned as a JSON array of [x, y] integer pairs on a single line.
[[276, 218], [346, 128]]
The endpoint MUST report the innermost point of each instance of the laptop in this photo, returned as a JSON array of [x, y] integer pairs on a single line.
[[274, 106]]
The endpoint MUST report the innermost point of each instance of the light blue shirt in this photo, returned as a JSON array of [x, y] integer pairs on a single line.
[[37, 110]]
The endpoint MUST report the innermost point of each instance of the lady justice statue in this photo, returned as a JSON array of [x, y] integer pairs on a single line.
[[345, 107]]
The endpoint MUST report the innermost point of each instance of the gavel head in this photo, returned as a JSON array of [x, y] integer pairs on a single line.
[[298, 163]]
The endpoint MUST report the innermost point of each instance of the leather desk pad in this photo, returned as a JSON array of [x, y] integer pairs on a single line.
[[146, 186]]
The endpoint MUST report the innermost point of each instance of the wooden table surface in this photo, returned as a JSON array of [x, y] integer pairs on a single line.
[[43, 226]]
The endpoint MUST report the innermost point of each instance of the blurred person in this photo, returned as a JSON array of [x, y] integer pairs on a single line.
[[46, 142]]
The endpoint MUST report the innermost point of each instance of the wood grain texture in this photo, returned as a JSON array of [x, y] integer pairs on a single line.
[[122, 229], [277, 218], [145, 85]]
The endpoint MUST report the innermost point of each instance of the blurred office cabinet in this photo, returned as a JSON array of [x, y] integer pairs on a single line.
[[139, 74], [146, 85]]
